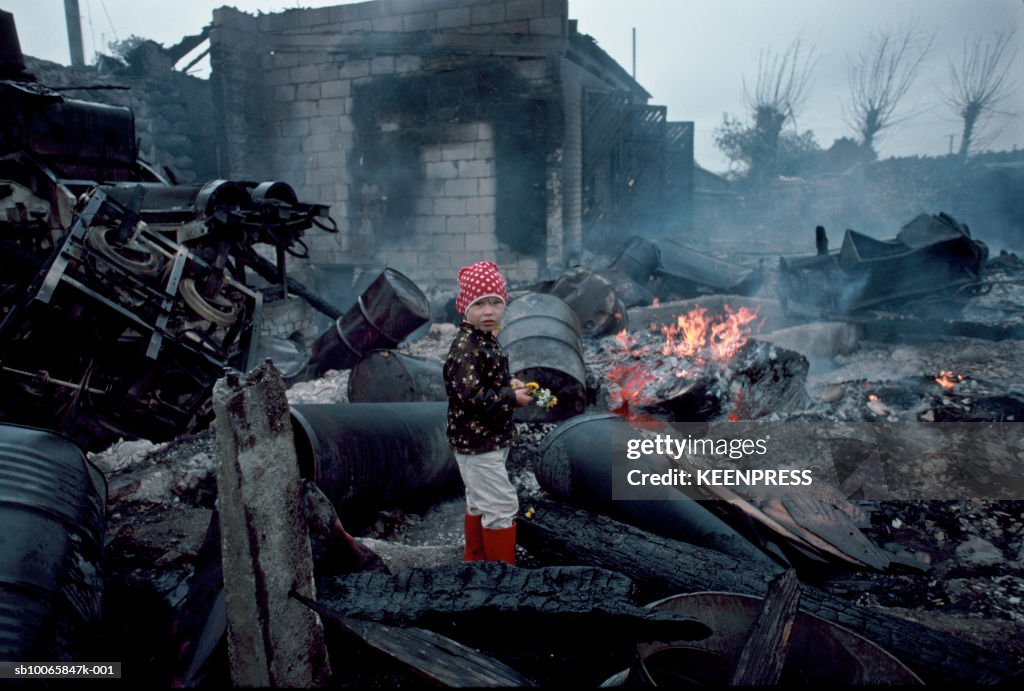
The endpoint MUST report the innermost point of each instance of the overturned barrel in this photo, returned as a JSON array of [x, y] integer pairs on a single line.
[[52, 506], [390, 376], [584, 462], [638, 259], [371, 456], [391, 308], [592, 297], [542, 338]]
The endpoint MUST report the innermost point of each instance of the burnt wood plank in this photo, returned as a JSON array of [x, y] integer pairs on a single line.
[[765, 651]]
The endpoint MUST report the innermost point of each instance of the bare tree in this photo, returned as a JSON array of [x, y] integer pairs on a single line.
[[879, 78], [981, 83], [782, 83]]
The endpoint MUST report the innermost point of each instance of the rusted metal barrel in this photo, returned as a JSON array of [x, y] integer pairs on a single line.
[[583, 462], [371, 456], [638, 259], [592, 297], [390, 309], [542, 338], [52, 507], [389, 376], [821, 653]]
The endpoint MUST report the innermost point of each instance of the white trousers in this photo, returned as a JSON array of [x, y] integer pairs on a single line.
[[489, 492]]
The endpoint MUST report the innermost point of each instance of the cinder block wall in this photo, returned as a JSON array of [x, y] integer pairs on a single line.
[[311, 65]]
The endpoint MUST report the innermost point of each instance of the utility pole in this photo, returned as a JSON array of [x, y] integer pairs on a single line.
[[74, 22], [634, 53], [951, 137]]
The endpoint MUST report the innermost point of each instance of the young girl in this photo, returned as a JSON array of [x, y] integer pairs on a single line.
[[481, 399]]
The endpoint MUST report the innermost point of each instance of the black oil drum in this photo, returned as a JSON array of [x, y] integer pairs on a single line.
[[638, 260], [583, 461], [53, 509], [390, 309], [372, 456], [385, 376], [541, 335], [592, 297]]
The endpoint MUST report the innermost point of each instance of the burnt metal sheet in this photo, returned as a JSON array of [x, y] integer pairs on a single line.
[[932, 256], [835, 527]]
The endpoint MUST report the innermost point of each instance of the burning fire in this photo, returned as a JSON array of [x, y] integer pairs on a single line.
[[947, 379], [701, 338], [697, 336]]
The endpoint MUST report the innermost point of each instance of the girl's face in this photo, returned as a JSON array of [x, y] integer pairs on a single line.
[[486, 314]]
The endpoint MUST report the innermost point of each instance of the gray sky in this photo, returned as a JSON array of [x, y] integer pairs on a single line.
[[692, 55]]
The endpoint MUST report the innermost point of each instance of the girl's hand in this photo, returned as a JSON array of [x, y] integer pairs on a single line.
[[517, 384], [523, 397]]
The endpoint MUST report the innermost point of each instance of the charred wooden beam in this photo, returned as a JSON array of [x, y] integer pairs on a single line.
[[557, 625], [557, 534], [438, 658], [764, 653]]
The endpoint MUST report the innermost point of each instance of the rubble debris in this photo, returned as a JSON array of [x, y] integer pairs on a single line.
[[462, 591], [931, 256], [556, 533], [51, 551], [272, 639]]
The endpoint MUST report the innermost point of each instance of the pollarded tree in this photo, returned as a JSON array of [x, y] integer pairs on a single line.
[[781, 89], [981, 83], [879, 78]]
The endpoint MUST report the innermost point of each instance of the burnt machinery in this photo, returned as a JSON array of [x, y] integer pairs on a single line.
[[123, 297]]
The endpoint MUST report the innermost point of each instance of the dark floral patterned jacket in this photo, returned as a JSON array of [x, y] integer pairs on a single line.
[[480, 400]]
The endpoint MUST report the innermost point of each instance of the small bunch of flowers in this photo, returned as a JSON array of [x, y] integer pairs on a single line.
[[542, 397]]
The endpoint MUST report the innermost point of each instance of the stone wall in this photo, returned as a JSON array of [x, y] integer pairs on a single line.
[[175, 119]]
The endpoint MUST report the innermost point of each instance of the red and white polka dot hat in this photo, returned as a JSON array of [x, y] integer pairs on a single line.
[[481, 280]]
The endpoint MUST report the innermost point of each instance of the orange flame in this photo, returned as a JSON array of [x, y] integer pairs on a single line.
[[622, 338], [696, 335], [947, 379], [873, 397]]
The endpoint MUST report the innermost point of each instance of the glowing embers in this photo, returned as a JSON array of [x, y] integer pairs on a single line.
[[948, 379]]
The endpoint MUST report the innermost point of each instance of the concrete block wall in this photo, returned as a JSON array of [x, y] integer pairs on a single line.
[[310, 64]]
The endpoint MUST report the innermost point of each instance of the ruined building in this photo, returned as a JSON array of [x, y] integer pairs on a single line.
[[442, 132]]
